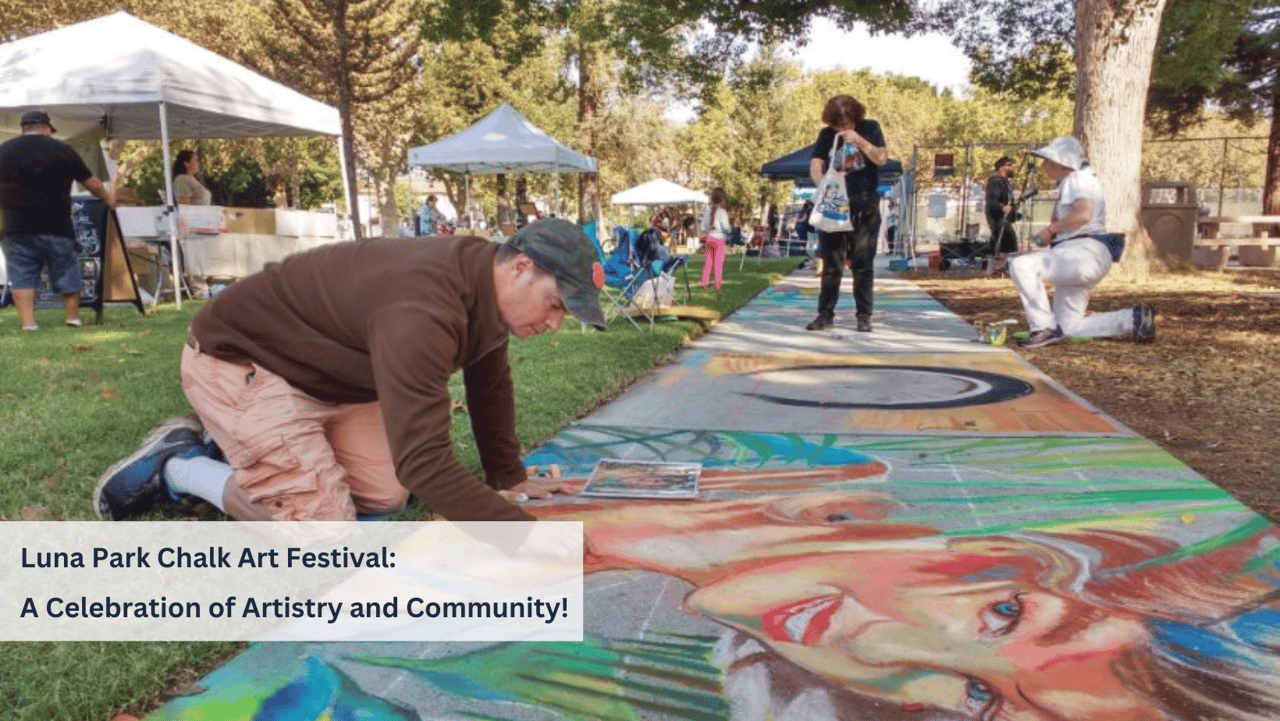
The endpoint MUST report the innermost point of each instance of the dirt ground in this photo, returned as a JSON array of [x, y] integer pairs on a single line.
[[1207, 390]]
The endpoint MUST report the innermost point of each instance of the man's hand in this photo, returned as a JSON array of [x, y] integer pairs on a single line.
[[876, 154], [541, 484]]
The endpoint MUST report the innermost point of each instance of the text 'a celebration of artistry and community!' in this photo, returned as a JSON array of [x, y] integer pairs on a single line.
[[291, 581]]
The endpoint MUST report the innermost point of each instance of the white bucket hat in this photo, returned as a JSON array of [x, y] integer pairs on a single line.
[[1064, 151]]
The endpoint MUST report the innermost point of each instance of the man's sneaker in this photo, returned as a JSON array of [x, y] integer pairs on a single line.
[[1044, 337], [136, 483], [822, 322], [1144, 323], [864, 323]]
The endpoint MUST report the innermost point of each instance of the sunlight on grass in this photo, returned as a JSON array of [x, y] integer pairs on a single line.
[[101, 336]]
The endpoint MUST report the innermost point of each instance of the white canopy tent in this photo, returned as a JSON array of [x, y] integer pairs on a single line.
[[659, 192], [503, 141], [119, 77]]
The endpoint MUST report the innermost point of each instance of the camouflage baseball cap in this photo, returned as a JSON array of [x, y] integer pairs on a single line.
[[563, 250]]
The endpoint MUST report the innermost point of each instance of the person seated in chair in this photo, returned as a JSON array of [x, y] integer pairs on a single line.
[[650, 247]]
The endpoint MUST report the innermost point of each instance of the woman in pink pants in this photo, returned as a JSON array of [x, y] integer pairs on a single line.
[[716, 221]]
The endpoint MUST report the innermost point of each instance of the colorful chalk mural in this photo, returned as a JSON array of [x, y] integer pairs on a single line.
[[963, 393], [852, 577]]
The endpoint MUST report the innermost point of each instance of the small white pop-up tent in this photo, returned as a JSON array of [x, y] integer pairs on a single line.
[[503, 141], [659, 192], [117, 76]]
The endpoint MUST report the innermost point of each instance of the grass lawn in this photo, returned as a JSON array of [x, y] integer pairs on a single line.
[[73, 401]]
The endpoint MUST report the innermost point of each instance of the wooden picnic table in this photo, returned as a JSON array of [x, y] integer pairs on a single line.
[[1258, 249]]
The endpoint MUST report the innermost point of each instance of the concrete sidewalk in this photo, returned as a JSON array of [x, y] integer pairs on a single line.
[[897, 524]]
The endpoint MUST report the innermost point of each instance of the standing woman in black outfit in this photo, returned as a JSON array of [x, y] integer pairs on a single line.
[[861, 152]]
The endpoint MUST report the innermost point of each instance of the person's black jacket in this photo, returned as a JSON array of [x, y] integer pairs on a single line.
[[999, 194], [649, 247]]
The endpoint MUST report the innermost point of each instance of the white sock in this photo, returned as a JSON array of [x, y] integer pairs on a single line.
[[200, 476]]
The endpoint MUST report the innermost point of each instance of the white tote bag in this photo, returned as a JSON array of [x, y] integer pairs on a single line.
[[831, 199], [656, 292]]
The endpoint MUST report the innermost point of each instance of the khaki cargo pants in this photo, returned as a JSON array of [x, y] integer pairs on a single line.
[[297, 458]]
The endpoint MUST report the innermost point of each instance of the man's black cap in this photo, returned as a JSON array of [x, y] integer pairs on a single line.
[[37, 117], [1003, 161]]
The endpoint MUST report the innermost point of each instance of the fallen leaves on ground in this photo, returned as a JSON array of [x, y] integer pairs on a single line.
[[1207, 390]]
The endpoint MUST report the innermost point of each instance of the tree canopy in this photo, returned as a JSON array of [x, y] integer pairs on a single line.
[[600, 75], [356, 54]]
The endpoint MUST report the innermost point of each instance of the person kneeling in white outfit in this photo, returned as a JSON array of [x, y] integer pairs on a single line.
[[1074, 262]]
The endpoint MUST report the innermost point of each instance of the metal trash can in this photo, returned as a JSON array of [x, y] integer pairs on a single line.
[[1169, 216]]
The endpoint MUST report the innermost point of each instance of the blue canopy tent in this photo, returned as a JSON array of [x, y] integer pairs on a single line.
[[795, 166]]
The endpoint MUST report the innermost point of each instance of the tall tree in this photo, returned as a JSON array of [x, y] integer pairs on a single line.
[[231, 34], [210, 26], [1193, 61], [354, 52], [1226, 53], [384, 130], [1112, 43], [464, 80], [1257, 58], [679, 44], [766, 124], [1024, 49], [1116, 41], [636, 143], [590, 33], [707, 143]]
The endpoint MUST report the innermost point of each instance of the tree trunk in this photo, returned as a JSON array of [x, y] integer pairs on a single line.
[[349, 150], [588, 107], [1116, 46], [346, 109], [452, 191], [1271, 186], [388, 212], [295, 172]]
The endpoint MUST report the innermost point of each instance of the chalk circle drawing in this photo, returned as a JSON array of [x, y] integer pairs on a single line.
[[901, 387]]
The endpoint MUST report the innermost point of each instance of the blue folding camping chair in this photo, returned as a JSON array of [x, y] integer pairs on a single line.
[[632, 263], [620, 273], [651, 251]]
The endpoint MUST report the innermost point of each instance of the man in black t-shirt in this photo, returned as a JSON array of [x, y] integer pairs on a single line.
[[36, 172]]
